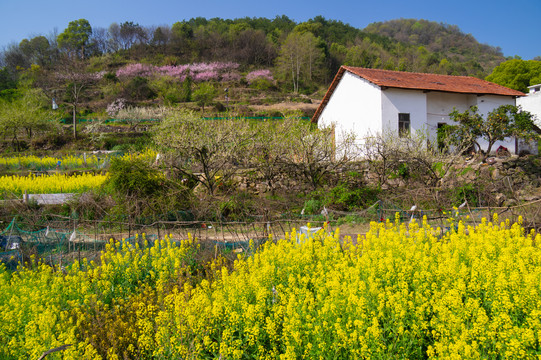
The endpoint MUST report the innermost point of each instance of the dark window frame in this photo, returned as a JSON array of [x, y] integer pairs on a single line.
[[404, 124]]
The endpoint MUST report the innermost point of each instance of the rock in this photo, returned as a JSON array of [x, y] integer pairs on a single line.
[[490, 160], [510, 202], [496, 174], [261, 188]]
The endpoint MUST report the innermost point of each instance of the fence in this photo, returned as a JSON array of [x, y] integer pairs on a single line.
[[124, 121], [60, 238]]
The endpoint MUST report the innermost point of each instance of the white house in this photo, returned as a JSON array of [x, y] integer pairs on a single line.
[[370, 101], [532, 102]]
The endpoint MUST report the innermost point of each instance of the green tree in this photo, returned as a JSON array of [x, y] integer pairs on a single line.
[[37, 50], [26, 114], [300, 58], [517, 74], [76, 36], [204, 94], [182, 38], [503, 122]]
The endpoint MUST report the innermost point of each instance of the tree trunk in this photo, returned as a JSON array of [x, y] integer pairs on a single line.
[[75, 122]]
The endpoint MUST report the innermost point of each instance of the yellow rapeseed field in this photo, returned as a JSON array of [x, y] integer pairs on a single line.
[[33, 162], [403, 291], [49, 184]]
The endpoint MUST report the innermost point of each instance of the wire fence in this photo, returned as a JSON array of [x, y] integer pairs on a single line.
[[61, 238], [124, 121]]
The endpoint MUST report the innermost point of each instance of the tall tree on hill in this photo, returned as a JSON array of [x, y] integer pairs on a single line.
[[160, 38], [75, 37], [131, 34], [182, 38], [37, 50], [300, 57]]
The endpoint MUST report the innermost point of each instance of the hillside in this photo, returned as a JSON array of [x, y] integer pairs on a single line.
[[262, 61], [442, 41]]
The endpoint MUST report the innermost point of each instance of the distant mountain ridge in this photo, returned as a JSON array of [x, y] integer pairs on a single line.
[[444, 40]]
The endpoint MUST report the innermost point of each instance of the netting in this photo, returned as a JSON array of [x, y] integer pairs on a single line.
[[58, 238]]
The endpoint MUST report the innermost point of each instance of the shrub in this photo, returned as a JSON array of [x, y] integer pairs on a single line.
[[133, 178], [139, 89], [342, 197], [312, 207], [261, 84], [467, 192], [238, 207]]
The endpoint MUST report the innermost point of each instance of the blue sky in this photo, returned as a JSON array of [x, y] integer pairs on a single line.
[[513, 25]]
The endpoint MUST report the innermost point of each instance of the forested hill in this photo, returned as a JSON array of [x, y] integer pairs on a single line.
[[442, 41], [287, 56], [404, 44]]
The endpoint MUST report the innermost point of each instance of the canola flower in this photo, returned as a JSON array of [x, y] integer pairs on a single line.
[[32, 162], [403, 291], [50, 184], [42, 308]]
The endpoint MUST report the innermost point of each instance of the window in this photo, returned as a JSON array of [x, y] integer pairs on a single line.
[[403, 124]]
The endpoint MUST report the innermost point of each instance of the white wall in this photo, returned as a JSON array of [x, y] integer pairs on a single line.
[[355, 105], [395, 101], [532, 103], [441, 104]]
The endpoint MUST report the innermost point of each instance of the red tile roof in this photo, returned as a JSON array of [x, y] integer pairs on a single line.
[[419, 81]]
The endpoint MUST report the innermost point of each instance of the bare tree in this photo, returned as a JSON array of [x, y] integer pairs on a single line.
[[73, 78], [270, 151], [205, 151], [316, 154], [410, 158]]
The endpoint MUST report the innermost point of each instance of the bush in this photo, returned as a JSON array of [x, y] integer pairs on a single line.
[[312, 207], [139, 89], [262, 84], [239, 207], [133, 178], [50, 141], [467, 192], [350, 219], [342, 197], [142, 192]]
